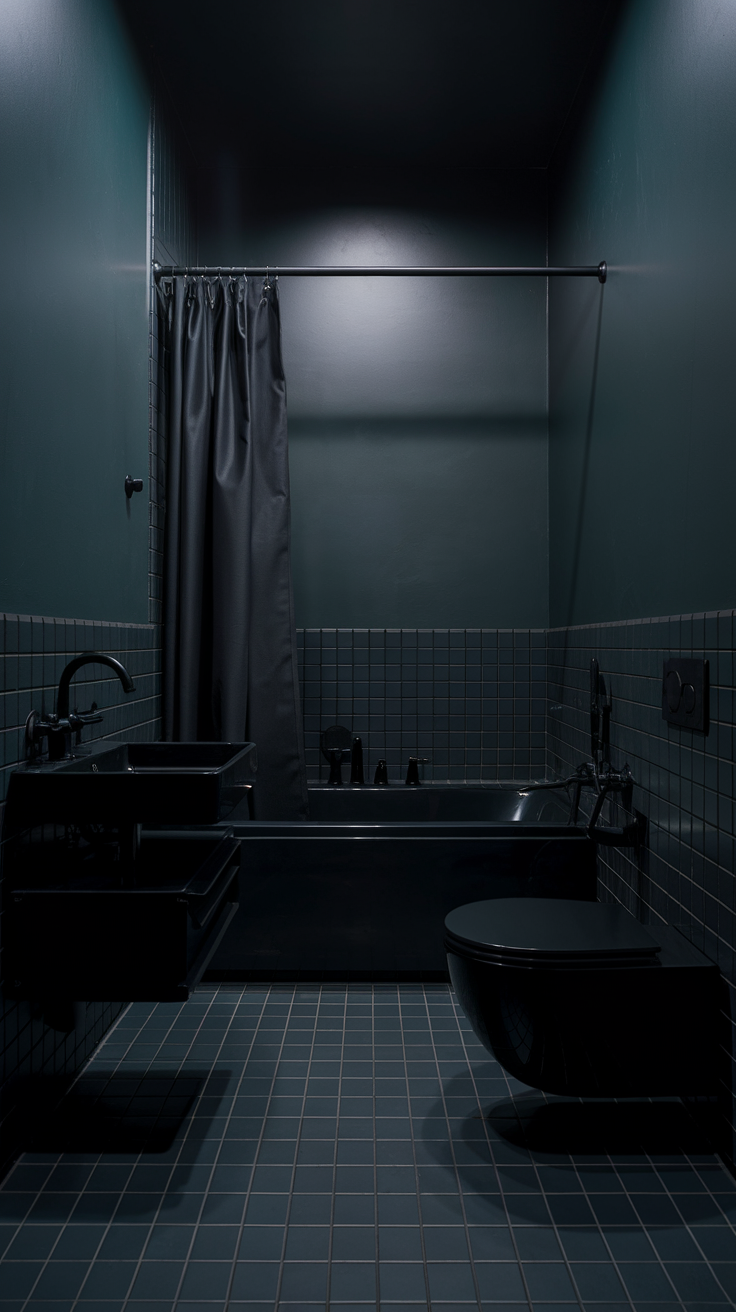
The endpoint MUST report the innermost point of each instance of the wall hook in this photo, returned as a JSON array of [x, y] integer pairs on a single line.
[[132, 485]]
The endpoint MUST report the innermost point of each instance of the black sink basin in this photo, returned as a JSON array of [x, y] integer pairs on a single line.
[[140, 783]]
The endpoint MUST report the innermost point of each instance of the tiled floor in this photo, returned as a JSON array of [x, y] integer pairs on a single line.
[[346, 1141]]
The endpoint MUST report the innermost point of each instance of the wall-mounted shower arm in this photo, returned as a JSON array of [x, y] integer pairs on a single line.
[[598, 271]]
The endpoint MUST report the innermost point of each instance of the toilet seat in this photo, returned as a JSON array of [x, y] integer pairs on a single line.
[[549, 932]]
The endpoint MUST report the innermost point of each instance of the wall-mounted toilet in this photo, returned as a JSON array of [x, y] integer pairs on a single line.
[[579, 998]]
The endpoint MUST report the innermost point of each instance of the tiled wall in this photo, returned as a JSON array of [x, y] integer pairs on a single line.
[[33, 653], [684, 780], [471, 700]]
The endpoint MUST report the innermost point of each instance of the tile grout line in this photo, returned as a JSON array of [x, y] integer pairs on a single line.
[[175, 1164], [458, 1181], [492, 1155], [672, 1198], [249, 1189], [630, 1199], [450, 1140], [66, 1223], [336, 1150], [133, 1168], [376, 1211], [305, 1095], [599, 1226], [425, 1269]]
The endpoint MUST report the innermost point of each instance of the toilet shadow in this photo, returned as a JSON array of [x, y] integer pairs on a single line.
[[598, 1127], [128, 1112], [530, 1129]]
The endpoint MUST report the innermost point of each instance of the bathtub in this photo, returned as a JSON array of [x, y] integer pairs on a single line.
[[361, 890]]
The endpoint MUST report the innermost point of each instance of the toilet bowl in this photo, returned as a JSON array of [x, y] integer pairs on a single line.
[[579, 998]]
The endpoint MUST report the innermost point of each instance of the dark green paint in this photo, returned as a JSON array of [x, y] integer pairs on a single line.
[[417, 411], [73, 325], [411, 523], [642, 450]]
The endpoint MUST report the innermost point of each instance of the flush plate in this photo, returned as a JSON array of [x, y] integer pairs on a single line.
[[685, 693]]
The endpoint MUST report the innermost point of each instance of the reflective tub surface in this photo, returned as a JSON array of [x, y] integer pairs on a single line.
[[361, 890]]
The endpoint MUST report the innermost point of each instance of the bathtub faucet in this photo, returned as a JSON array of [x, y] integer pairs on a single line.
[[412, 774], [334, 756], [604, 781], [607, 782]]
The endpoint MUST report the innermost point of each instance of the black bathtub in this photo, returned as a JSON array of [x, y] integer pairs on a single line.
[[361, 890]]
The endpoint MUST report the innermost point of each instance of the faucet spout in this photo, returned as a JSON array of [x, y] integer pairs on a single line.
[[59, 728], [88, 658]]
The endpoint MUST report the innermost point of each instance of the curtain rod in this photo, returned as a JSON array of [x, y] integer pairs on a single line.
[[598, 271]]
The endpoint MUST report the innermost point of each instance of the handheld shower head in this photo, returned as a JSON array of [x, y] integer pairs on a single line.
[[595, 710]]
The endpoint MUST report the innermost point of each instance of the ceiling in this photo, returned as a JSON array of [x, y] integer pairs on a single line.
[[405, 84]]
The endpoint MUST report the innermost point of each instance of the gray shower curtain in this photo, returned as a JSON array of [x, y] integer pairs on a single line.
[[230, 671]]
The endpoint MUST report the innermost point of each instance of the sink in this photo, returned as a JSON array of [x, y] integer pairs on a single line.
[[117, 783], [109, 888]]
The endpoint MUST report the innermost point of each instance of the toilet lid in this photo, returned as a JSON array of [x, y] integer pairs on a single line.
[[537, 930]]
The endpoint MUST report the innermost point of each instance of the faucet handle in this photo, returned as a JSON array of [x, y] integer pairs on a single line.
[[33, 736], [335, 757], [412, 774], [92, 716], [78, 719]]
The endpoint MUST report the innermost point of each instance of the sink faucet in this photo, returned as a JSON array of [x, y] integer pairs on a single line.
[[59, 728]]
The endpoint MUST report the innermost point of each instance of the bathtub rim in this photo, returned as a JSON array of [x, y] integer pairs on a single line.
[[417, 830]]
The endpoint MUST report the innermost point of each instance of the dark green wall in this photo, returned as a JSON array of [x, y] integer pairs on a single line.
[[417, 408], [73, 324], [642, 410]]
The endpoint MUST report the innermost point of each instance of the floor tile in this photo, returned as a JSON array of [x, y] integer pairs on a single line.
[[402, 1280], [354, 1281], [334, 1126]]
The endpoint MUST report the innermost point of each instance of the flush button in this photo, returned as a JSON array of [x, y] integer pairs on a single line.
[[685, 693], [673, 690]]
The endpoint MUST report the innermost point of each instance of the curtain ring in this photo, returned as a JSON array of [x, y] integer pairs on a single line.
[[266, 285]]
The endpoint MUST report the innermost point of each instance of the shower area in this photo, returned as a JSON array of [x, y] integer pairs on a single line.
[[414, 516], [413, 507]]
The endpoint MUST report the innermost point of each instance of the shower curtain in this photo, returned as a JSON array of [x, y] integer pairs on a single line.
[[230, 670]]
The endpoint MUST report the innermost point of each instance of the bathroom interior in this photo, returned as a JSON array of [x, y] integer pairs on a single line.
[[511, 522]]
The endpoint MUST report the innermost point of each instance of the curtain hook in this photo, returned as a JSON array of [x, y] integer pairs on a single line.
[[266, 285]]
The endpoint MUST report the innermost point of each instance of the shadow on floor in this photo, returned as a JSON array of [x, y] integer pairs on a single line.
[[504, 1155], [599, 1127], [120, 1112]]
